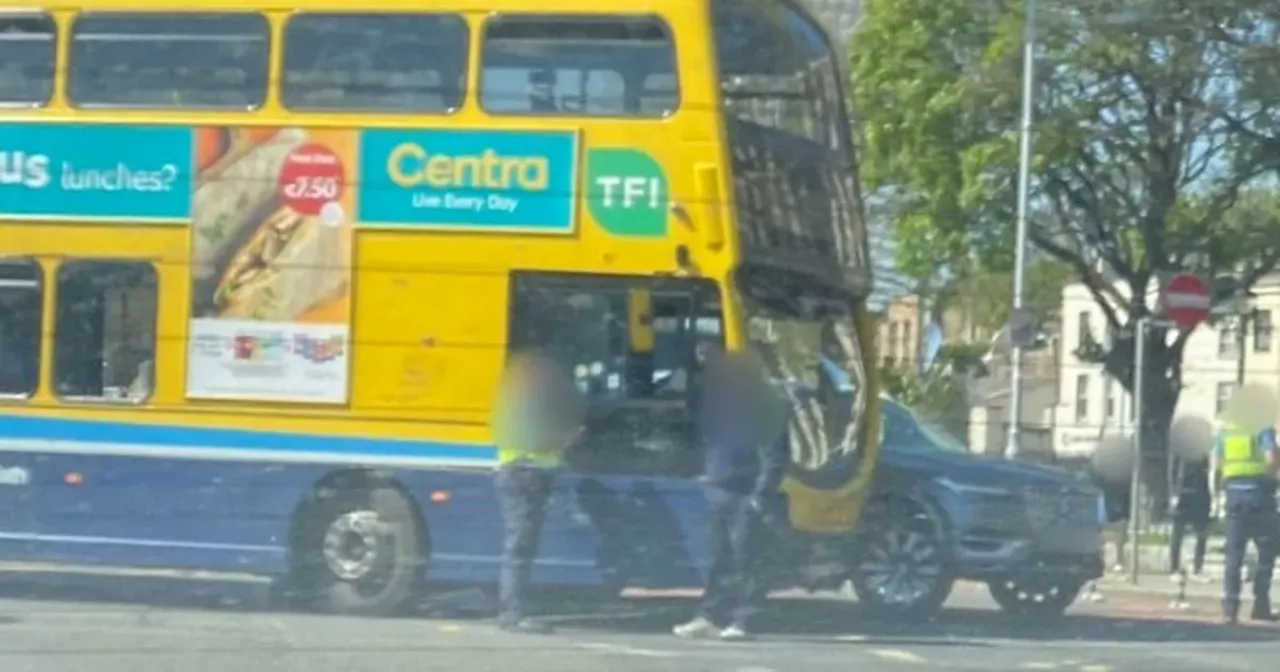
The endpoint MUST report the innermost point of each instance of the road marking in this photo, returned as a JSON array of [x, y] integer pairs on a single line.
[[1038, 666], [625, 650], [1095, 668], [450, 627], [850, 638], [898, 655]]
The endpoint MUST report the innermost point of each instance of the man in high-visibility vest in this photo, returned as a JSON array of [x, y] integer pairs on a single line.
[[537, 418], [1245, 462]]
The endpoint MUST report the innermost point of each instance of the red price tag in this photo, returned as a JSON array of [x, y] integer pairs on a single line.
[[311, 177]]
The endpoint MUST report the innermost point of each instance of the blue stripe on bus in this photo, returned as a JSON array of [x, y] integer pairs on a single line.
[[179, 437]]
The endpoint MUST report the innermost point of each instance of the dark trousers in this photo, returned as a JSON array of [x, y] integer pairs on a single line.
[[1199, 524], [522, 496], [734, 592], [1251, 516]]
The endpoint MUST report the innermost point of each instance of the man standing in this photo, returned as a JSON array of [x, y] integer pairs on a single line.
[[746, 458], [1246, 461], [1190, 509], [537, 418]]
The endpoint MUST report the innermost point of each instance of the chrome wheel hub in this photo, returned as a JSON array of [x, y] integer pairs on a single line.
[[352, 545]]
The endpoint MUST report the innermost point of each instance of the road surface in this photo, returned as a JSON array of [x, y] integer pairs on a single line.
[[72, 632]]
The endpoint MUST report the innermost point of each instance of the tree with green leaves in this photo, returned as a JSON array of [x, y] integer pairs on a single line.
[[1154, 150]]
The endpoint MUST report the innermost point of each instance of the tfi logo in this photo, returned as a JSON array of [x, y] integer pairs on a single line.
[[14, 476]]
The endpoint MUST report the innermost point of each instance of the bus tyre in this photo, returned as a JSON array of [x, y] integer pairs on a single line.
[[1035, 599], [360, 553]]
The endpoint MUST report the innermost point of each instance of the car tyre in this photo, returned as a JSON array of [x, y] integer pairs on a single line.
[[903, 570], [1035, 599]]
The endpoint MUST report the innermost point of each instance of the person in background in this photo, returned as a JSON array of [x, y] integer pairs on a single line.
[[1190, 507], [1115, 495], [542, 91], [1245, 460], [742, 419], [537, 418]]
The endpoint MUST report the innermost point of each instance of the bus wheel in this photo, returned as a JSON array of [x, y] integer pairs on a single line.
[[359, 553]]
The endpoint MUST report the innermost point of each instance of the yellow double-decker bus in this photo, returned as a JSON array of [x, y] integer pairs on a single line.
[[261, 266]]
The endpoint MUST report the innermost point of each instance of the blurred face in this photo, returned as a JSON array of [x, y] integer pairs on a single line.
[[542, 86]]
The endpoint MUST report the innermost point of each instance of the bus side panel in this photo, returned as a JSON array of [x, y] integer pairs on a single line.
[[157, 512], [466, 531]]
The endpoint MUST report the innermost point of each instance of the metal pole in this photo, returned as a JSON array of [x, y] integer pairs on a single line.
[[1135, 501], [1242, 323], [1020, 261]]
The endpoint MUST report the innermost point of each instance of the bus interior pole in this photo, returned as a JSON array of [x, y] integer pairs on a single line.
[[1135, 478]]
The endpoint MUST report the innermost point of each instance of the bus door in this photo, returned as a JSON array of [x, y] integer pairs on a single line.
[[636, 510]]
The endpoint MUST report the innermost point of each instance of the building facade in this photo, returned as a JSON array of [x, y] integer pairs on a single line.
[[1092, 406]]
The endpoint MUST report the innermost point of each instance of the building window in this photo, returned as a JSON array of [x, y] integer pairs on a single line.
[[20, 301], [1084, 329], [1227, 341], [892, 349], [1109, 399], [1082, 397], [1262, 331], [1225, 391], [105, 334]]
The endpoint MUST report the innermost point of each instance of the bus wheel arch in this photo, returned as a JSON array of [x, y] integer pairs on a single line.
[[358, 544]]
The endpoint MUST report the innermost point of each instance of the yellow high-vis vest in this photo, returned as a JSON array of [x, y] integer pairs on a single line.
[[1242, 455]]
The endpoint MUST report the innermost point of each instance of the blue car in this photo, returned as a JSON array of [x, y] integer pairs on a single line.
[[940, 514]]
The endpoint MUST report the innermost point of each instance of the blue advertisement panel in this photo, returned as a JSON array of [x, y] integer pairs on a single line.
[[469, 179], [65, 171]]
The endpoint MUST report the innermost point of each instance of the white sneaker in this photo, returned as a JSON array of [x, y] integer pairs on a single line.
[[734, 633], [698, 628]]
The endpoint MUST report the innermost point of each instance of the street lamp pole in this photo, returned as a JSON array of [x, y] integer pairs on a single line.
[[1020, 260], [1135, 476]]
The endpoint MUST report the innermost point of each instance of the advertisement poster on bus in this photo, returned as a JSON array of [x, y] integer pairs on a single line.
[[469, 180], [271, 264], [108, 173]]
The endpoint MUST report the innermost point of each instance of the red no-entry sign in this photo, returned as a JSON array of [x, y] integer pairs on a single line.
[[1185, 300]]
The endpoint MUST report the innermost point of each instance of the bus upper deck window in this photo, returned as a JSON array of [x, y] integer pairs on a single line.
[[375, 62], [28, 51], [164, 60], [611, 66]]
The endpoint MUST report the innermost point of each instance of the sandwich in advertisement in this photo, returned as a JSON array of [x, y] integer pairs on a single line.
[[237, 171], [291, 264]]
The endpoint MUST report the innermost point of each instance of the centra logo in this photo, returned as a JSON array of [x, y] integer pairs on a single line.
[[410, 165]]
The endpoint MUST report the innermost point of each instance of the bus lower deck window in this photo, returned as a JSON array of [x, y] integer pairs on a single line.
[[163, 60], [611, 66], [28, 51], [105, 330], [21, 299], [375, 62]]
